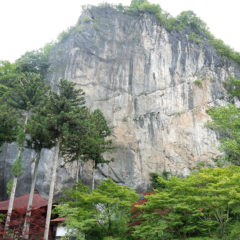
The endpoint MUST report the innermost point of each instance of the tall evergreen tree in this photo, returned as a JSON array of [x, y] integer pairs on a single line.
[[88, 142], [96, 143], [39, 137], [27, 94], [8, 115], [60, 114], [8, 76], [8, 123]]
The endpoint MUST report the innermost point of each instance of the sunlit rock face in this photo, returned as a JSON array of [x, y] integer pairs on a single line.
[[153, 87]]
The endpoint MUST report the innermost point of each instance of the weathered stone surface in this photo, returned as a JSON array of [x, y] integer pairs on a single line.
[[142, 78]]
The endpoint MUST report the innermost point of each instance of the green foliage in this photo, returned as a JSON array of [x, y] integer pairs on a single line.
[[17, 167], [2, 216], [225, 50], [185, 20], [25, 92], [9, 187], [8, 76], [34, 61], [233, 87], [159, 180], [189, 19], [99, 214], [195, 38], [198, 83], [86, 19], [151, 8], [63, 107], [21, 136], [28, 93], [64, 34], [8, 123], [86, 137], [38, 132], [97, 144], [203, 205], [135, 4], [226, 121]]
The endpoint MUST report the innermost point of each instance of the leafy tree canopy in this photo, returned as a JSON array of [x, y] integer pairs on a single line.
[[204, 205], [97, 214]]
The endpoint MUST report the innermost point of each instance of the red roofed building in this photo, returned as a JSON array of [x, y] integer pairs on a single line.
[[22, 201], [37, 220]]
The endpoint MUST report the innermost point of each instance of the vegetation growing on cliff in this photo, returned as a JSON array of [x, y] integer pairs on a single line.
[[185, 20], [226, 122]]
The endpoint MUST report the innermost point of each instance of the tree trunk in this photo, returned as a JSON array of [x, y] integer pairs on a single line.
[[77, 175], [93, 175], [51, 191], [10, 206], [14, 186], [26, 225]]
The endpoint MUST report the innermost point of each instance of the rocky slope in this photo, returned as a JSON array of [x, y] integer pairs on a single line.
[[153, 87]]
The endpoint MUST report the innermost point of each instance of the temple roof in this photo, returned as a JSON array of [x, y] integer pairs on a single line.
[[22, 201]]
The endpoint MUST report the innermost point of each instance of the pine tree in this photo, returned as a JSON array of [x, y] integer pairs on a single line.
[[8, 123], [97, 144], [8, 76], [60, 114], [39, 138], [88, 140], [8, 115], [27, 93]]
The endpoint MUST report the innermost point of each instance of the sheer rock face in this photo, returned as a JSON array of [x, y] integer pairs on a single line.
[[143, 79]]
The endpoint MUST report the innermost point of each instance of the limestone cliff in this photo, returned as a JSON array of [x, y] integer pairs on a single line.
[[153, 87]]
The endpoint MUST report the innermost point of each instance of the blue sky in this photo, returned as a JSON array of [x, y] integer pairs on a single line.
[[28, 24]]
